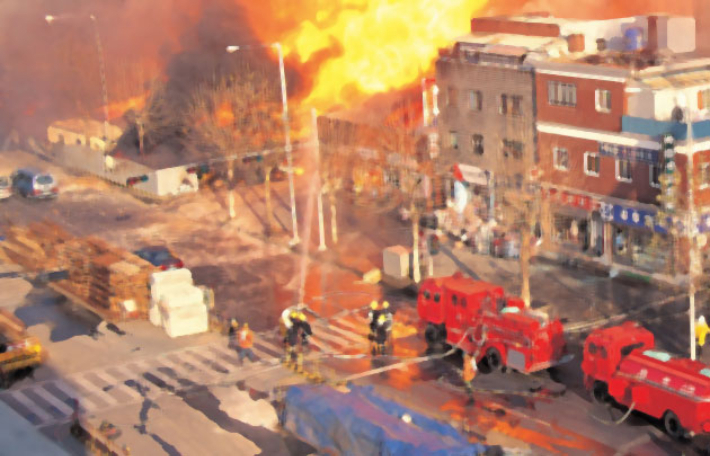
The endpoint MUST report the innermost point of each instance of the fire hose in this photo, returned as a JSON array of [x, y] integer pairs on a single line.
[[404, 363], [620, 420]]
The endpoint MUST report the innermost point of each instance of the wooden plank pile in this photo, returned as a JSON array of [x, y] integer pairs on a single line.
[[111, 281]]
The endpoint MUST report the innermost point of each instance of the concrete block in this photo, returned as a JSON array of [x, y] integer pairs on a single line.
[[395, 261]]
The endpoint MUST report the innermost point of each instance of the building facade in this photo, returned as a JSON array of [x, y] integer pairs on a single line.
[[619, 112], [486, 120]]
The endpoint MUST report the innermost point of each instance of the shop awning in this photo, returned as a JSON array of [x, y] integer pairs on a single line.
[[470, 174]]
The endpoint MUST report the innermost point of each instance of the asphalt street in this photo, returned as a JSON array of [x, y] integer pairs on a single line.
[[190, 381]]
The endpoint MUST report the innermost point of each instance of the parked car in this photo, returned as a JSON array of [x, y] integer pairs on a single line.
[[32, 183], [160, 257], [5, 187]]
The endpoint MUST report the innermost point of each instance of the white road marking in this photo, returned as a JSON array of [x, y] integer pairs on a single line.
[[30, 405]]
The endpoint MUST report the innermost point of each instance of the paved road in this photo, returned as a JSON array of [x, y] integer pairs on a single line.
[[254, 281]]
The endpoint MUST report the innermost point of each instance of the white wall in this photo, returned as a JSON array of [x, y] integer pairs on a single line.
[[641, 104]]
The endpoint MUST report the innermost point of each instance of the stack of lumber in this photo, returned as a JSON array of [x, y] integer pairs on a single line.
[[21, 249], [110, 280]]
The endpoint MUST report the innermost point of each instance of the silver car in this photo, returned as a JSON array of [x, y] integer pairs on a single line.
[[31, 183], [5, 188]]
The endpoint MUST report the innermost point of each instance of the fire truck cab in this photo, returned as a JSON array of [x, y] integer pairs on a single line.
[[478, 318], [621, 364]]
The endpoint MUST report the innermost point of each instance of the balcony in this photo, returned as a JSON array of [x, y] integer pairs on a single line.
[[657, 128]]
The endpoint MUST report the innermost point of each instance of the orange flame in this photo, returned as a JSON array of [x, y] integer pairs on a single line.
[[119, 108], [224, 115], [353, 48]]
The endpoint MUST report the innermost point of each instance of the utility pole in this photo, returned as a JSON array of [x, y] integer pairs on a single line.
[[316, 144], [692, 230]]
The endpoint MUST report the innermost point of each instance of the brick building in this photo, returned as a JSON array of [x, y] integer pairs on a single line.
[[607, 102]]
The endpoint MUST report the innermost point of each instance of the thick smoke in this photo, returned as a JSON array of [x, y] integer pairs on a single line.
[[590, 9], [50, 72]]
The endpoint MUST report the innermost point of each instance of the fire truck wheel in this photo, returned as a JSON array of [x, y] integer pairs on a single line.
[[494, 359], [672, 425], [600, 393], [431, 335]]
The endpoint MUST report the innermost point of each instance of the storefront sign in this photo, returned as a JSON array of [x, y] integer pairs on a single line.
[[573, 199], [395, 159], [704, 223], [635, 218], [367, 154], [629, 153], [473, 175]]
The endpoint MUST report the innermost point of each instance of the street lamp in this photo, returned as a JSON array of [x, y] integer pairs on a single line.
[[287, 131], [102, 67]]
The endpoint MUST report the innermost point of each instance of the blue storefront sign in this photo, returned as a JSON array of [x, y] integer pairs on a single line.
[[704, 223], [636, 154], [635, 218]]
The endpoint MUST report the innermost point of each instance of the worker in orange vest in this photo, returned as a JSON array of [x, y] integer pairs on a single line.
[[246, 342], [470, 369]]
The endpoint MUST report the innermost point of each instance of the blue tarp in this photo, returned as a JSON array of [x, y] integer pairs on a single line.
[[360, 422]]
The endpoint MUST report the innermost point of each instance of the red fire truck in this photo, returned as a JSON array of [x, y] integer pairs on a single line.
[[621, 364], [477, 317]]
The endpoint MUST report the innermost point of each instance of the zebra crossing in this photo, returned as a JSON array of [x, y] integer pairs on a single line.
[[53, 401]]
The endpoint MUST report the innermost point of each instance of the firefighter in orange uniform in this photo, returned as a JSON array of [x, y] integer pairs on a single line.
[[246, 342], [470, 369]]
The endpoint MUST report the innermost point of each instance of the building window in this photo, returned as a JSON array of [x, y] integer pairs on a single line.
[[450, 96], [654, 176], [561, 159], [561, 94], [454, 139], [705, 175], [477, 144], [475, 100], [512, 148], [517, 102], [511, 104], [603, 100], [623, 170], [591, 164], [704, 99]]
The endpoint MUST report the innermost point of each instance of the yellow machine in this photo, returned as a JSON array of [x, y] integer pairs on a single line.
[[19, 352]]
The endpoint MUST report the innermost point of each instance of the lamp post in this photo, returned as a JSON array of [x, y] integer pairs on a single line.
[[693, 268], [102, 67], [287, 132]]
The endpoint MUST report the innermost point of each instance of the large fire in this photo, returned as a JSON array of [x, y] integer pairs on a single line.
[[118, 108], [352, 48]]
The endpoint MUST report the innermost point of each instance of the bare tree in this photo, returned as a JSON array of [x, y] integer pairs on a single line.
[[234, 117]]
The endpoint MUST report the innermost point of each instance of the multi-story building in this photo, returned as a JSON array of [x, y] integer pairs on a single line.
[[486, 119], [602, 104]]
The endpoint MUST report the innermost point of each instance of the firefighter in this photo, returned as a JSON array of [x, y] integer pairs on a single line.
[[701, 331], [373, 315], [381, 333], [388, 316], [470, 369], [290, 343], [233, 328], [304, 328], [246, 342], [288, 319]]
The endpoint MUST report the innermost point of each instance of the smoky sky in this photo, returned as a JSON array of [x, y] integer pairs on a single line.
[[50, 72]]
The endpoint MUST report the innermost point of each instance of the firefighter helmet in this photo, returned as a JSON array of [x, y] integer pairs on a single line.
[[386, 305], [381, 319], [293, 314], [373, 305], [302, 316], [235, 323]]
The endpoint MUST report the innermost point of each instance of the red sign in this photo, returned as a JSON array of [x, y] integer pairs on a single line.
[[572, 199]]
